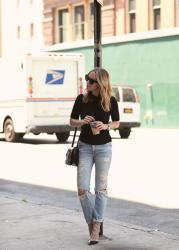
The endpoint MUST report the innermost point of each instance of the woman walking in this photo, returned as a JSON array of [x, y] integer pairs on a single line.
[[92, 112]]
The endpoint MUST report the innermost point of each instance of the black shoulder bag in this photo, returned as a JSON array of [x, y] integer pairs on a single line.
[[72, 155]]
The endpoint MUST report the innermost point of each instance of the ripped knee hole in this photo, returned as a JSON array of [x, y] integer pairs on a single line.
[[102, 191], [81, 192]]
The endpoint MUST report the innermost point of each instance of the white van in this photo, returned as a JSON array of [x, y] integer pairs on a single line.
[[129, 108], [37, 93]]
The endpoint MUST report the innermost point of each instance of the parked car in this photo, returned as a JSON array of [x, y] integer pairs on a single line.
[[129, 108]]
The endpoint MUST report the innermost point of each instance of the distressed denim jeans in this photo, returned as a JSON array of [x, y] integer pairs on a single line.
[[99, 155]]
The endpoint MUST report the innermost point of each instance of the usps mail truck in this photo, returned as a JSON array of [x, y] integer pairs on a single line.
[[37, 93]]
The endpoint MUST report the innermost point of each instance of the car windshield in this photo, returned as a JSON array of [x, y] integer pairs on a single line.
[[128, 95], [115, 93]]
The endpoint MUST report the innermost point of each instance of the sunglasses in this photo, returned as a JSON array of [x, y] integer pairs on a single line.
[[90, 80]]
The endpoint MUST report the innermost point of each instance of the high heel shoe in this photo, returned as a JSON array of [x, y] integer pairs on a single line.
[[94, 237]]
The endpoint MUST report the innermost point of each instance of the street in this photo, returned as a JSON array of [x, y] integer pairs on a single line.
[[143, 176], [144, 168]]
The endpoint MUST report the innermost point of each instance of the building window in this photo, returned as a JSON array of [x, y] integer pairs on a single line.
[[156, 14], [31, 30], [91, 20], [78, 22], [132, 15], [18, 32], [17, 3], [177, 12], [63, 17]]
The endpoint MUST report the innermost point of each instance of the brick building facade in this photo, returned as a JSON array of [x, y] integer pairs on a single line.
[[72, 20]]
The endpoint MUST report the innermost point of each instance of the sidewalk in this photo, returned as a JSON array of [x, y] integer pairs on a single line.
[[31, 226]]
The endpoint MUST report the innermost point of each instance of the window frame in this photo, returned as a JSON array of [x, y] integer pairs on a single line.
[[87, 31], [154, 9], [90, 21], [156, 26], [73, 23], [130, 13], [58, 26]]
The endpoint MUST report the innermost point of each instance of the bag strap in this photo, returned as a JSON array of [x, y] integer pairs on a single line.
[[74, 137]]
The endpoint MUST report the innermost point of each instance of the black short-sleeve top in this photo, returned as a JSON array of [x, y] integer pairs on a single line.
[[93, 108]]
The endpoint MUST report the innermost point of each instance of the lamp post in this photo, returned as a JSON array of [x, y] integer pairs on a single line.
[[97, 34], [97, 48]]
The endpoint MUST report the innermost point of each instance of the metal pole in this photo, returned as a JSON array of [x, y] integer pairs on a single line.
[[97, 49], [97, 35]]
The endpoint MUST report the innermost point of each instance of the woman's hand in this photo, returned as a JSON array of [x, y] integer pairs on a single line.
[[88, 119], [101, 126]]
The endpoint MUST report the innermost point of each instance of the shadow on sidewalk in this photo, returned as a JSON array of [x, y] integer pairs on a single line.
[[154, 218], [126, 248]]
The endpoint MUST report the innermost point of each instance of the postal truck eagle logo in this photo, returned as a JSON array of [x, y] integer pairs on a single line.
[[55, 76]]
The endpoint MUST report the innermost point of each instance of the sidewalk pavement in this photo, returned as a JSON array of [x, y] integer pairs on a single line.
[[28, 225]]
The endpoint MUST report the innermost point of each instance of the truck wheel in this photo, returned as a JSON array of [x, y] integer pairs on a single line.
[[10, 134], [124, 132], [62, 137]]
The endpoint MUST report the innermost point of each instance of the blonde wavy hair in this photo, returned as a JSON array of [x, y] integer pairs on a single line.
[[102, 77]]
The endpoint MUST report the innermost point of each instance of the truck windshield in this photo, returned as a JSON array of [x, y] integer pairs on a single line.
[[128, 95]]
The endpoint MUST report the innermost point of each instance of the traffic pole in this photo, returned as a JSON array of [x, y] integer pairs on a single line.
[[97, 34], [98, 48]]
